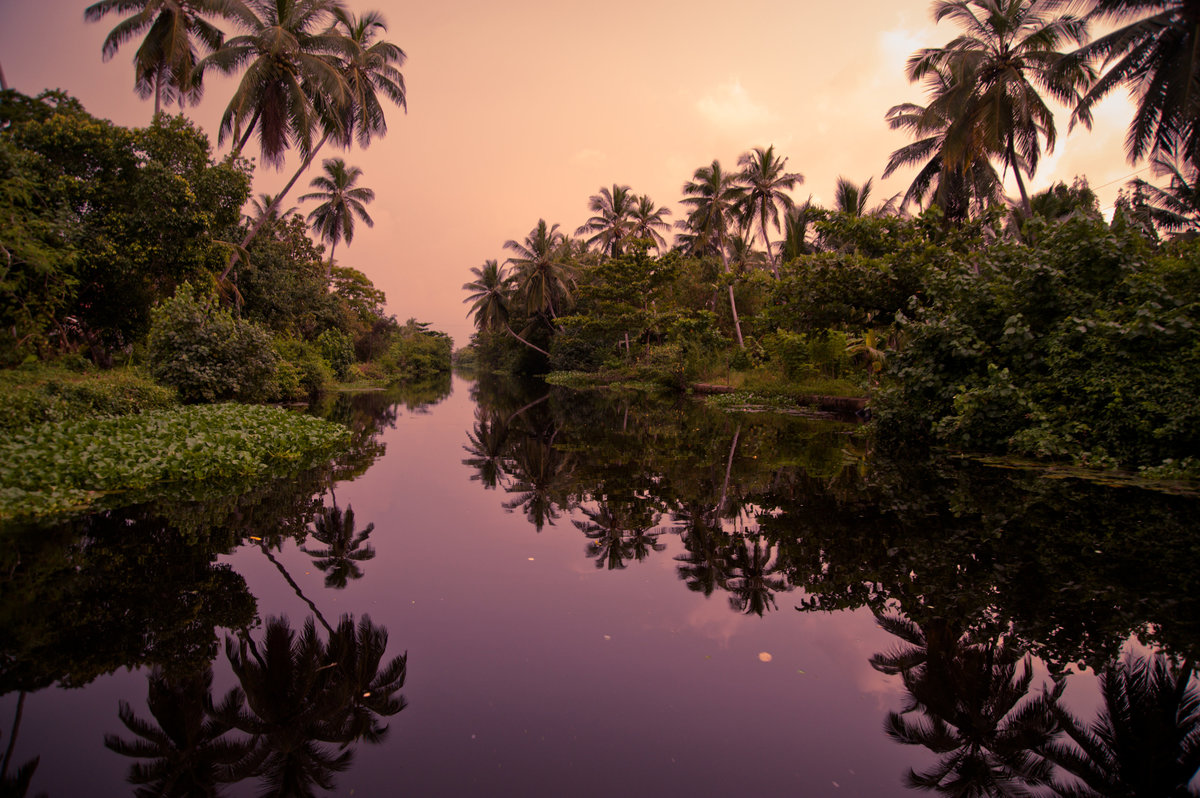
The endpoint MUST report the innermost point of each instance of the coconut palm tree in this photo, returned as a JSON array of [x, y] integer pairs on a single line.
[[795, 231], [613, 219], [969, 702], [289, 56], [342, 200], [365, 685], [1008, 50], [264, 205], [753, 577], [176, 33], [764, 184], [648, 220], [291, 710], [712, 197], [1146, 740], [1156, 54], [955, 174], [346, 109], [490, 293], [544, 278], [1175, 208], [851, 199]]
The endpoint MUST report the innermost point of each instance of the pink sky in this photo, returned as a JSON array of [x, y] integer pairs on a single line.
[[522, 110]]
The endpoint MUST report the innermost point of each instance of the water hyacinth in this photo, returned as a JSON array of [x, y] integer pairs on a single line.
[[69, 465]]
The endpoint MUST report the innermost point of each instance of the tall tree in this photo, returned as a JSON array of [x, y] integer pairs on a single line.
[[544, 278], [1156, 53], [712, 197], [648, 220], [176, 33], [1175, 208], [955, 174], [851, 199], [765, 184], [613, 219], [1008, 50], [342, 200]]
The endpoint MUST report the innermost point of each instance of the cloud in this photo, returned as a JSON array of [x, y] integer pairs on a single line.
[[730, 107], [589, 157]]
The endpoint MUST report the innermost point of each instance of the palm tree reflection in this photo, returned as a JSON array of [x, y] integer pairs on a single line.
[[969, 703], [308, 701], [190, 751], [344, 546], [620, 531]]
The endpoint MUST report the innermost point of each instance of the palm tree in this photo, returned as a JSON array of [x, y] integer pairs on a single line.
[[1146, 740], [329, 79], [1157, 55], [333, 219], [367, 688], [613, 219], [648, 220], [712, 196], [765, 182], [165, 63], [264, 205], [953, 173], [291, 71], [1007, 51], [489, 297], [1175, 208], [544, 278], [795, 231], [344, 547], [189, 750], [753, 576], [851, 199], [370, 68]]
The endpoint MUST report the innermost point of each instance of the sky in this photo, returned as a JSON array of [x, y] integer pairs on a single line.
[[522, 110]]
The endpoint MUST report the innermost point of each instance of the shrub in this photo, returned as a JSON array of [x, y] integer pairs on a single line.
[[205, 354], [338, 350], [312, 370], [34, 396]]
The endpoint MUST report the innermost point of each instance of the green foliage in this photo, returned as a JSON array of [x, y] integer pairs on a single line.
[[1084, 345], [69, 465], [309, 372], [207, 355], [31, 396], [415, 352], [283, 285], [338, 350], [112, 218]]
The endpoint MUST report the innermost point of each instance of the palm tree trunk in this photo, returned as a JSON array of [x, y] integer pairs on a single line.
[[329, 268], [275, 204], [1016, 165], [12, 736], [279, 566], [157, 92], [3, 82], [246, 136], [737, 433], [737, 325], [522, 340]]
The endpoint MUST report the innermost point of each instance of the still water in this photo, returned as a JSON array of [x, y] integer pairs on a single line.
[[514, 590]]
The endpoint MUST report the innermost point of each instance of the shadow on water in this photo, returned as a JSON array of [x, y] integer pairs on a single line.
[[141, 587], [997, 586], [985, 575]]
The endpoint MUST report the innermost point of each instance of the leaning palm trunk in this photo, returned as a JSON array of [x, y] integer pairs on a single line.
[[532, 346], [275, 204], [737, 325]]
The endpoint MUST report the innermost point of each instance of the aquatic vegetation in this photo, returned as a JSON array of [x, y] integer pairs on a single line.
[[71, 465]]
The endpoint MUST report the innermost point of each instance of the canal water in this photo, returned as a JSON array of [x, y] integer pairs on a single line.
[[509, 589]]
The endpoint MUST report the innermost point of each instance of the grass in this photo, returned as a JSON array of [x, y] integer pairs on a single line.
[[41, 393]]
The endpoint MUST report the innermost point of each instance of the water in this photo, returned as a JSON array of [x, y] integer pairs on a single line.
[[595, 596]]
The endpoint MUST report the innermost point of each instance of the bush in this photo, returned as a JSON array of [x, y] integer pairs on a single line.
[[338, 350], [312, 371], [34, 396], [205, 354]]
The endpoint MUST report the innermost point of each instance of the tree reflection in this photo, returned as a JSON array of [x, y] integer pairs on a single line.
[[344, 546], [1146, 739], [16, 784], [487, 445], [307, 702], [969, 703], [753, 577], [704, 563], [190, 751], [618, 532], [540, 475]]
